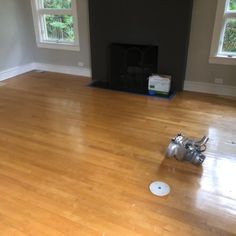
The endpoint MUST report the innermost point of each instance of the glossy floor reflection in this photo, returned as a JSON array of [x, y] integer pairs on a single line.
[[77, 160]]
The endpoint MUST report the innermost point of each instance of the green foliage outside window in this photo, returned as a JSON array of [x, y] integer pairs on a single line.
[[59, 27], [232, 5], [229, 44], [57, 4]]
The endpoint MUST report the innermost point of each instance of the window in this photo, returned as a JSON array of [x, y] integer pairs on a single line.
[[56, 24], [223, 50]]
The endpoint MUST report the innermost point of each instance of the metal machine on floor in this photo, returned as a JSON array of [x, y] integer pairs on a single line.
[[184, 149]]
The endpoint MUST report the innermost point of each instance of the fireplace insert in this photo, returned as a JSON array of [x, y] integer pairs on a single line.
[[131, 65]]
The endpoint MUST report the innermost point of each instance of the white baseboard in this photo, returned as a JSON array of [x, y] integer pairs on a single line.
[[18, 70], [72, 70], [202, 87]]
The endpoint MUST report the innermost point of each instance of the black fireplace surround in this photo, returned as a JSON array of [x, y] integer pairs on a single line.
[[123, 30]]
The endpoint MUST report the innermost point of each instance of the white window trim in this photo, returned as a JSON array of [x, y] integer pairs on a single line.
[[36, 10], [217, 38]]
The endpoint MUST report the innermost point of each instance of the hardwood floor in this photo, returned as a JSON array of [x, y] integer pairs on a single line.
[[76, 160]]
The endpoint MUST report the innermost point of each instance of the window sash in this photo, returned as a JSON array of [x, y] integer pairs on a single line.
[[40, 26], [40, 6], [44, 33], [228, 15], [43, 29], [55, 11], [216, 56]]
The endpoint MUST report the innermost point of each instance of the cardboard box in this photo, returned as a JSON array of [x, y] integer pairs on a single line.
[[159, 84]]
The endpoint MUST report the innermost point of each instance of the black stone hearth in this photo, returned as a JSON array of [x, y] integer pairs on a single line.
[[165, 23]]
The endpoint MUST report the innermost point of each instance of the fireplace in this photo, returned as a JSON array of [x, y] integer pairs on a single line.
[[165, 23], [131, 65]]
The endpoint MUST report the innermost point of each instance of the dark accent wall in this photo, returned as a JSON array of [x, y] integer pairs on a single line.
[[165, 23]]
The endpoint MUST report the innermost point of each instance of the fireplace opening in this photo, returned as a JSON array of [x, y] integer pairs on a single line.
[[131, 65]]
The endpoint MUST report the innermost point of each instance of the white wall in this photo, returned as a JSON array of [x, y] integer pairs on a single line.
[[16, 35], [18, 45]]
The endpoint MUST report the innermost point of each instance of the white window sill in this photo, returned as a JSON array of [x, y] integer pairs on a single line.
[[222, 60], [59, 46]]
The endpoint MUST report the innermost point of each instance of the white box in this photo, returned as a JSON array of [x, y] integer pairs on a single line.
[[159, 84]]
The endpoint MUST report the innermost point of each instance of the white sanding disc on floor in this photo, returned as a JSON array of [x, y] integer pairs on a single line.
[[160, 189]]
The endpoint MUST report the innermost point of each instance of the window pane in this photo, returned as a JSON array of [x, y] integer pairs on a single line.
[[232, 5], [57, 4], [229, 44], [59, 28]]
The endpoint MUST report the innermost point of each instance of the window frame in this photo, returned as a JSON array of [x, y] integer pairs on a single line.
[[222, 16], [38, 11]]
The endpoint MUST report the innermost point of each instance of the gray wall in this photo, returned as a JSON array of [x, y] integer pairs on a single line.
[[198, 67], [69, 58], [18, 47], [16, 36]]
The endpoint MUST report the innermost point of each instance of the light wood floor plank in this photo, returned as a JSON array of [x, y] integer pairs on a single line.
[[76, 160]]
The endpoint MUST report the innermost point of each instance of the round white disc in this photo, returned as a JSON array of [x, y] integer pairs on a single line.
[[159, 188]]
